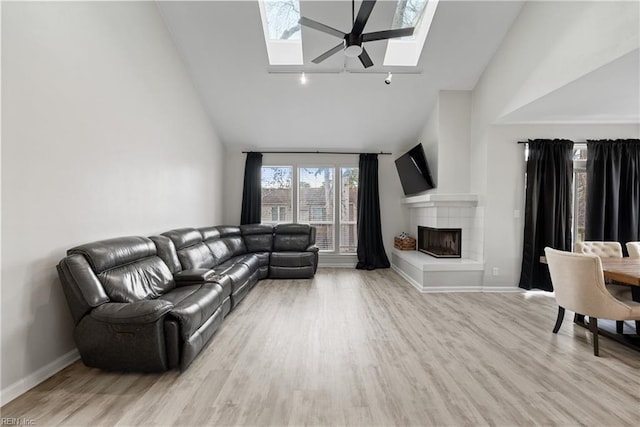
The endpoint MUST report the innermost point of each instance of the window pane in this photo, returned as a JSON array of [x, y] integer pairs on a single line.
[[348, 209], [580, 203], [324, 236], [277, 194], [316, 196], [282, 19]]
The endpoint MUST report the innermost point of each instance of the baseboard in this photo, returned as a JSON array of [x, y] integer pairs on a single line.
[[336, 265], [22, 386], [443, 289], [406, 277], [502, 289], [337, 261]]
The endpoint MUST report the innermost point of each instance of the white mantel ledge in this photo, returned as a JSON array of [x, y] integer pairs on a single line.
[[440, 199]]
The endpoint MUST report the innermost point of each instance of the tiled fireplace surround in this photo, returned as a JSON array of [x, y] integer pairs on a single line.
[[430, 274]]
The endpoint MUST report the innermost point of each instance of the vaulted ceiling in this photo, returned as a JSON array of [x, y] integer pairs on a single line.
[[342, 106]]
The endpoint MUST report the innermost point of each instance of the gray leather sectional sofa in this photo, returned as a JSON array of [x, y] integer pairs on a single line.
[[151, 304]]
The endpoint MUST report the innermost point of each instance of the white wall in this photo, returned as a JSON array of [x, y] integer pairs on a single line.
[[103, 135], [394, 218], [574, 39], [429, 138]]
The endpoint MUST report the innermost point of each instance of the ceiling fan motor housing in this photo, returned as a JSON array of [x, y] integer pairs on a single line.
[[352, 45]]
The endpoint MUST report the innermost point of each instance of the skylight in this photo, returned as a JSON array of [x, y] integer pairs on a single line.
[[282, 31], [406, 51], [408, 12]]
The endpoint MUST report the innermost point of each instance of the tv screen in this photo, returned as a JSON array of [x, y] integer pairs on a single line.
[[414, 171]]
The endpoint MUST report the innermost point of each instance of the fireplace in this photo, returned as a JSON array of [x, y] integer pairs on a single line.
[[440, 242]]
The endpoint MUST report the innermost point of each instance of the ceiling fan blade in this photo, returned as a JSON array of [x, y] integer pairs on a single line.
[[388, 34], [365, 59], [363, 16], [328, 53], [320, 27]]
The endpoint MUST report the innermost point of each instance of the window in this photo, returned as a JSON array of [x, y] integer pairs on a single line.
[[278, 213], [348, 210], [307, 194], [281, 31], [282, 19], [315, 203], [579, 199], [405, 51], [277, 194]]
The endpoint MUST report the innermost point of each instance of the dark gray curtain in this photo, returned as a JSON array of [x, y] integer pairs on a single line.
[[613, 191], [252, 191], [371, 254], [547, 220]]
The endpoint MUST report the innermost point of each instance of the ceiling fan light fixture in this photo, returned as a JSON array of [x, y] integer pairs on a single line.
[[353, 51], [352, 41]]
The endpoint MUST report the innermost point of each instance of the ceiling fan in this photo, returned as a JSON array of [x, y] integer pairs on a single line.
[[352, 42]]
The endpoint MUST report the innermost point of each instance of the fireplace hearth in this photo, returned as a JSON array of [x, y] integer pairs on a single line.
[[440, 242]]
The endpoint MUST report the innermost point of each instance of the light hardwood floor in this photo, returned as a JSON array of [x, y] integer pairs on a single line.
[[365, 348]]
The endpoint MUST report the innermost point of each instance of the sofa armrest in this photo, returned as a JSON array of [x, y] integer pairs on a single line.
[[196, 275], [139, 312], [312, 248]]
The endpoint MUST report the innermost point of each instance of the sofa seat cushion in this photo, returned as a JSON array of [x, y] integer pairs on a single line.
[[292, 259], [252, 261], [194, 305], [225, 283], [238, 273]]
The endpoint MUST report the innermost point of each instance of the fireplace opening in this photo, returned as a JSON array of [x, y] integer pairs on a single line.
[[440, 242]]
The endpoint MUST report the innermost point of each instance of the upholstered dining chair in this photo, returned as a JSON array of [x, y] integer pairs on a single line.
[[606, 250], [634, 249], [601, 249], [579, 286]]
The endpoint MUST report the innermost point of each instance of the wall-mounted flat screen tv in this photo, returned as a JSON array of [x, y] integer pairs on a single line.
[[414, 172]]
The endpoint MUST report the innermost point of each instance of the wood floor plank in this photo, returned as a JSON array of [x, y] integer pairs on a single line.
[[364, 348]]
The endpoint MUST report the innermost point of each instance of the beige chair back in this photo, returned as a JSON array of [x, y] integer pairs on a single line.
[[579, 286], [634, 249], [601, 249]]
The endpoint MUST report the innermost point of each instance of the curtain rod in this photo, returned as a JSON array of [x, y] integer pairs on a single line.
[[575, 142], [313, 152]]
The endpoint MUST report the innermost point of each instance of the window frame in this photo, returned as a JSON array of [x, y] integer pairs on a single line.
[[295, 178]]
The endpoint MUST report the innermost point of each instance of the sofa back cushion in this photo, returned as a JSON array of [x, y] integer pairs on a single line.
[[292, 237], [191, 250], [127, 267], [232, 237], [258, 237], [224, 242], [167, 252]]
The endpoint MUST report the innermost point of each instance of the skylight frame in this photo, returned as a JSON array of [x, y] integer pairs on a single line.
[[405, 52], [279, 51]]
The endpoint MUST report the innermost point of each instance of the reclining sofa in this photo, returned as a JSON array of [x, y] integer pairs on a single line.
[[152, 304]]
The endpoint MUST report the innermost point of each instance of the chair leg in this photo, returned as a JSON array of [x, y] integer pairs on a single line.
[[556, 328], [619, 326], [593, 326]]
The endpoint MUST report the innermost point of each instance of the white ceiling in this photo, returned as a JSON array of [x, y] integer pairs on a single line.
[[609, 94], [253, 107]]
